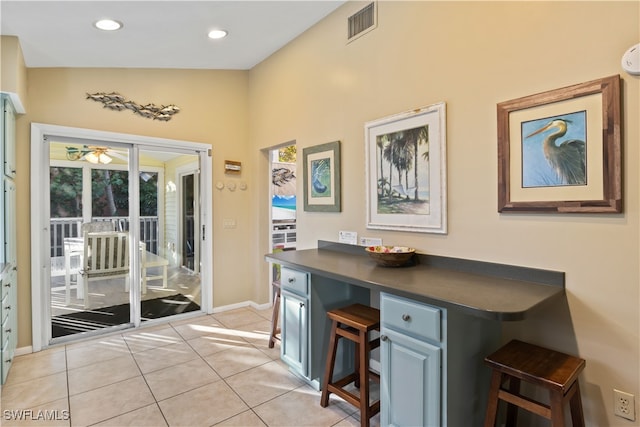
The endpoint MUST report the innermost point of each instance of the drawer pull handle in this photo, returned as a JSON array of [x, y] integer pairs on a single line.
[[8, 285], [292, 279], [7, 361], [8, 331], [384, 338], [8, 307], [301, 305], [406, 317]]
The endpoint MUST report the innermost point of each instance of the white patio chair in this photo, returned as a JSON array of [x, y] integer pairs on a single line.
[[105, 256]]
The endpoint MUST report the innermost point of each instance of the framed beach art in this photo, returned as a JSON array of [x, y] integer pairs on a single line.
[[321, 168], [559, 151], [406, 171]]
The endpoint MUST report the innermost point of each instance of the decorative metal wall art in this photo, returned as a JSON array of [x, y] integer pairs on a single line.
[[115, 101]]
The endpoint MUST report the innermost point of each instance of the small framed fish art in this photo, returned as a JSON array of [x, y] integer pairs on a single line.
[[559, 151], [321, 168]]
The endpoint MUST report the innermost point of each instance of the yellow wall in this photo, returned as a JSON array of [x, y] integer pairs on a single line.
[[473, 55], [318, 89], [214, 110], [13, 73]]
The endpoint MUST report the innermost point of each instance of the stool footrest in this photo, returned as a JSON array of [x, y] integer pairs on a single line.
[[525, 403], [353, 399]]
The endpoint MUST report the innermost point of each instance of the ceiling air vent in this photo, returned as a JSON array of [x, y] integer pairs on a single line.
[[362, 21]]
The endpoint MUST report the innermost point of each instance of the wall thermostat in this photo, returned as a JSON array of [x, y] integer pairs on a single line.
[[631, 60]]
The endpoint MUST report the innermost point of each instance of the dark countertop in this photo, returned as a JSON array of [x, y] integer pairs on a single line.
[[493, 291]]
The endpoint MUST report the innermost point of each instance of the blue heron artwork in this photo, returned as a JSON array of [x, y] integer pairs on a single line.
[[554, 151]]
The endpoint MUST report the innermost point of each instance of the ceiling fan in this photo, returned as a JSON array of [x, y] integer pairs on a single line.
[[93, 154]]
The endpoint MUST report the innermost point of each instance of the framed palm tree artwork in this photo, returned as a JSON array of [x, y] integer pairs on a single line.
[[321, 168], [406, 171], [559, 151]]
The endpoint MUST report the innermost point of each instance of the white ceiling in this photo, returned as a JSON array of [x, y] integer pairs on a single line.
[[157, 34]]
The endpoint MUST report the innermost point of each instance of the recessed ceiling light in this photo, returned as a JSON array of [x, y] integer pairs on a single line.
[[217, 34], [108, 25]]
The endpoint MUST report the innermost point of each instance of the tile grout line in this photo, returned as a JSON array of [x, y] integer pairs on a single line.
[[223, 379], [145, 378], [66, 372]]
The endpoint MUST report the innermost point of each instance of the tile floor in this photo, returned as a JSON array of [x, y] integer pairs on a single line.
[[204, 371]]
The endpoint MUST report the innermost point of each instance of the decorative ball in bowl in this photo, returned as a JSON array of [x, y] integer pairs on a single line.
[[390, 256]]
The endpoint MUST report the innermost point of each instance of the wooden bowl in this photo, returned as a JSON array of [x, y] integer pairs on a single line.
[[390, 256]]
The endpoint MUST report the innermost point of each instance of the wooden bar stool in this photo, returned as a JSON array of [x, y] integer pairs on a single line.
[[275, 330], [557, 372], [353, 323]]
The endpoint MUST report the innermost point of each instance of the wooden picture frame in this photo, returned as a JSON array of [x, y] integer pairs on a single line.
[[406, 171], [543, 168], [321, 171]]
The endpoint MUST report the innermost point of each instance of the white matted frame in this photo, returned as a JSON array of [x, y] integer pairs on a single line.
[[406, 171]]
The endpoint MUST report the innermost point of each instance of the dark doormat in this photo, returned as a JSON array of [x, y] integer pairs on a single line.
[[84, 321]]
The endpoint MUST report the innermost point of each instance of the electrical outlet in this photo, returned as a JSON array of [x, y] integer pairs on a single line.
[[624, 405]]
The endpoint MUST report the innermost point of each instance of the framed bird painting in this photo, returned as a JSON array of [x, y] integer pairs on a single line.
[[559, 151]]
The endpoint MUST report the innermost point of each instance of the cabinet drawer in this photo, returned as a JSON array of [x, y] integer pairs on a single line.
[[6, 330], [6, 305], [6, 285], [294, 281], [6, 359], [411, 317]]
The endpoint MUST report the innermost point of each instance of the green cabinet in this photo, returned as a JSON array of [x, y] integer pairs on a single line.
[[431, 364], [409, 381], [294, 325], [411, 362], [305, 328], [8, 253]]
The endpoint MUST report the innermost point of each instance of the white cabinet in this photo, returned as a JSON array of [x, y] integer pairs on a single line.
[[8, 253]]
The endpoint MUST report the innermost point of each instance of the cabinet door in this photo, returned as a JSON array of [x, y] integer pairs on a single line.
[[410, 381], [10, 221], [294, 332], [9, 138]]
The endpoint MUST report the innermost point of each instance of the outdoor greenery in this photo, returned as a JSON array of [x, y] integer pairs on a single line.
[[109, 190], [287, 154]]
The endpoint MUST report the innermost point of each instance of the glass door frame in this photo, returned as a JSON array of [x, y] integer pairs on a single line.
[[40, 226]]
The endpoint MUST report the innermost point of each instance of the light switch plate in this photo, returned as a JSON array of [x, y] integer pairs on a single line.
[[348, 237], [370, 241]]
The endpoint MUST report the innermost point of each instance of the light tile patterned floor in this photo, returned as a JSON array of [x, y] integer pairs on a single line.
[[205, 371]]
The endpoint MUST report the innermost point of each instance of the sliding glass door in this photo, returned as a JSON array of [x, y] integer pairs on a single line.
[[171, 284], [123, 251]]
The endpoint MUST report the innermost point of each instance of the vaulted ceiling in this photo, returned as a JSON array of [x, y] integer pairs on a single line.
[[157, 34]]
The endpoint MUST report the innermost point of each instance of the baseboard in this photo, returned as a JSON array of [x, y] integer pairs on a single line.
[[243, 304], [21, 351]]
